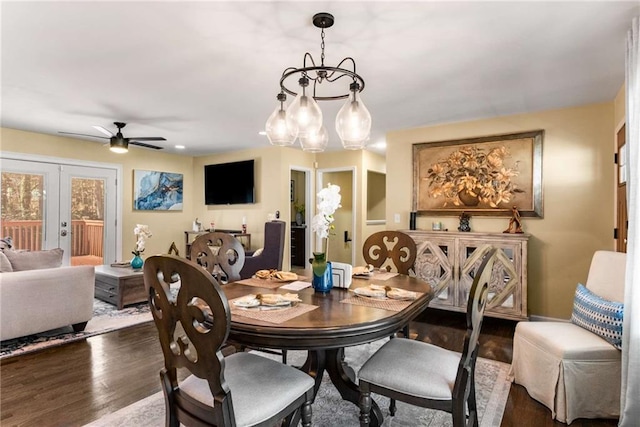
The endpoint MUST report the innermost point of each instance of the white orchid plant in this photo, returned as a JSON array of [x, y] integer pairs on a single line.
[[142, 233], [328, 202]]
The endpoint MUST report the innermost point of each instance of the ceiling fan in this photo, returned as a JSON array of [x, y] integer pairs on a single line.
[[118, 143]]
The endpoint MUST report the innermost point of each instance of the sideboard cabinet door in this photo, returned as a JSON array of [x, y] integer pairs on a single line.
[[449, 261]]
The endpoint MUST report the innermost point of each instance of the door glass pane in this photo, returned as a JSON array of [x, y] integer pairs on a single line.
[[87, 221], [22, 209]]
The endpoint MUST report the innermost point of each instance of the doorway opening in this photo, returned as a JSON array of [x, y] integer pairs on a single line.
[[50, 204], [340, 244]]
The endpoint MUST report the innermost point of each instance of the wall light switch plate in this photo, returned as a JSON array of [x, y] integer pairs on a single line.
[[396, 218]]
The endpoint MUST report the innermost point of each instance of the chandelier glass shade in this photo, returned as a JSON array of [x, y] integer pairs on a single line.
[[303, 119], [315, 141], [353, 122], [279, 132]]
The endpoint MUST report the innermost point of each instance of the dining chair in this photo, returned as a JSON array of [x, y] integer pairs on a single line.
[[272, 254], [242, 389], [426, 375], [391, 250], [221, 254]]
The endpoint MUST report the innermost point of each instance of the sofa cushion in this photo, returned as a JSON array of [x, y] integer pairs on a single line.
[[598, 315], [35, 260], [5, 265]]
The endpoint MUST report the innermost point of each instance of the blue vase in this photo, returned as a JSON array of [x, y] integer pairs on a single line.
[[137, 262], [322, 277]]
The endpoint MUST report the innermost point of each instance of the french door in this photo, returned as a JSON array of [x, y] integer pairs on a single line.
[[48, 205]]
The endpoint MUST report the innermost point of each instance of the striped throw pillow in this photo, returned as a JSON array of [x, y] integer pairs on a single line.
[[598, 315]]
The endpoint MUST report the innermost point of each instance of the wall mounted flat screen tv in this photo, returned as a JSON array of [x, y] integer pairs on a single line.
[[229, 183]]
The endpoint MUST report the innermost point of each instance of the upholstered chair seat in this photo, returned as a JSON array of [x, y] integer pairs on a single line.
[[257, 384], [428, 380]]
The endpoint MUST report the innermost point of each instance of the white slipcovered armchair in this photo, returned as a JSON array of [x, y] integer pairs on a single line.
[[572, 371]]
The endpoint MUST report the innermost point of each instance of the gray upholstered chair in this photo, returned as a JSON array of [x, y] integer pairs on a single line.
[[220, 254], [272, 254], [572, 371], [426, 375], [242, 389]]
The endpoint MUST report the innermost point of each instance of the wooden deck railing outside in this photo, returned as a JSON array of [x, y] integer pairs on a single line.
[[87, 236]]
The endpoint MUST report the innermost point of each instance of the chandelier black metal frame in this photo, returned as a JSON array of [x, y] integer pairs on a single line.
[[323, 72], [303, 119]]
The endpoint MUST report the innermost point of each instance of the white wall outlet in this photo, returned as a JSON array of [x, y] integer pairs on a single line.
[[396, 218]]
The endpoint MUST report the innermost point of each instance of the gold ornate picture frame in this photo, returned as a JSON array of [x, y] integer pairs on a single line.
[[480, 176]]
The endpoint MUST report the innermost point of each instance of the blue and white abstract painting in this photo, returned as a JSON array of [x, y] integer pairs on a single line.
[[157, 191]]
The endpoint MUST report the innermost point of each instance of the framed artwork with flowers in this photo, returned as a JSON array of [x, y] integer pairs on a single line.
[[488, 175]]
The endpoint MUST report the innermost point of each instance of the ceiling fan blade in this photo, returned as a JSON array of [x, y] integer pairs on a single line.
[[142, 144], [148, 138], [84, 134], [103, 130]]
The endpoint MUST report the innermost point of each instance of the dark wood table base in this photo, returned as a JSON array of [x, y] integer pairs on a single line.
[[342, 376]]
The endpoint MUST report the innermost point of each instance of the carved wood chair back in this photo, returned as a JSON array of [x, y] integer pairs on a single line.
[[219, 252], [392, 372], [390, 249], [193, 327]]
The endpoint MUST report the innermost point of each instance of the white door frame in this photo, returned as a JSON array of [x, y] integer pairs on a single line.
[[309, 198], [117, 236], [354, 195]]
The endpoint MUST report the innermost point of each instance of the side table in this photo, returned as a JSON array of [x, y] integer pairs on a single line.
[[119, 286]]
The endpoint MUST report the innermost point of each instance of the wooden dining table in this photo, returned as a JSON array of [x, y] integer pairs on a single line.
[[336, 320]]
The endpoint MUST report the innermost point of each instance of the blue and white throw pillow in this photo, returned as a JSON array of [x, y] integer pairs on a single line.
[[598, 315]]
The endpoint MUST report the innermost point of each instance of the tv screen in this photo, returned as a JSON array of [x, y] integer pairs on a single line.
[[229, 183]]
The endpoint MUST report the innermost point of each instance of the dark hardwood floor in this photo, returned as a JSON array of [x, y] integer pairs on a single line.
[[76, 383]]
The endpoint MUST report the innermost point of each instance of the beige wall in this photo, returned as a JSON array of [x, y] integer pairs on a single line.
[[166, 226], [619, 107], [272, 180], [578, 175], [362, 161], [376, 196]]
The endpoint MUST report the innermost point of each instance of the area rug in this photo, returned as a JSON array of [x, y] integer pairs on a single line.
[[106, 318], [329, 410]]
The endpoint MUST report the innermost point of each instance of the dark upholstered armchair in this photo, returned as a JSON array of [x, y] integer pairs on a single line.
[[273, 253]]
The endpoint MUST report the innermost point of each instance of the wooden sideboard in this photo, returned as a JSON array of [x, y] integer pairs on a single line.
[[449, 260]]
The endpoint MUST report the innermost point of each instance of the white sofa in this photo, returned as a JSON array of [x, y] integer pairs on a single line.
[[33, 301]]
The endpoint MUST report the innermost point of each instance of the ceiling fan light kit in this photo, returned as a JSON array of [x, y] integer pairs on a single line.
[[303, 118], [118, 143]]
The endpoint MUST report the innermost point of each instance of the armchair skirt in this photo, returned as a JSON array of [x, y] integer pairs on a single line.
[[575, 373]]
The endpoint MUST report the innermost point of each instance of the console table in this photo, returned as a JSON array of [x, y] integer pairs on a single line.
[[448, 261], [119, 286], [190, 236]]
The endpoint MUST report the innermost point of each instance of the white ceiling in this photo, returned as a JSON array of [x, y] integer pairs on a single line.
[[205, 74]]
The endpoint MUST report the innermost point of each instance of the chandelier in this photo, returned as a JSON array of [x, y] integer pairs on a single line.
[[303, 118]]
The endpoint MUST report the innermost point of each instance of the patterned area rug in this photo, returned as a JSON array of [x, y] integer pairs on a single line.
[[329, 410], [105, 318]]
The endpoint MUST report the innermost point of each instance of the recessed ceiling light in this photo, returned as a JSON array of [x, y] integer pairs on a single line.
[[263, 133], [180, 147]]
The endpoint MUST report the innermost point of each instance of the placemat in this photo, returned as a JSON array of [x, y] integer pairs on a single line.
[[378, 275], [385, 304], [261, 283], [271, 316]]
